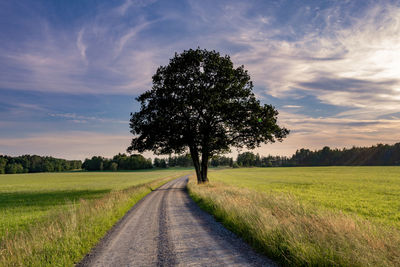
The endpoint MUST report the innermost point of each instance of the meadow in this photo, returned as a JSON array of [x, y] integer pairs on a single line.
[[336, 216], [371, 192], [53, 219]]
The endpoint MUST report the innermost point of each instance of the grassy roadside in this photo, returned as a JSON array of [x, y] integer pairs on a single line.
[[297, 233], [65, 236]]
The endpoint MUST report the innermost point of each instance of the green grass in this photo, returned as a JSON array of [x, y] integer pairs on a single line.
[[371, 192], [318, 216], [26, 198], [53, 219], [81, 180]]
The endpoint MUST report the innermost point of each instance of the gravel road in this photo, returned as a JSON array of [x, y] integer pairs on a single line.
[[166, 228]]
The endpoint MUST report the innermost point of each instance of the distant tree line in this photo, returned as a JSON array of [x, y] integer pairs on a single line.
[[356, 156], [249, 159], [185, 160], [180, 161], [118, 162], [174, 161], [379, 155], [34, 163], [217, 161]]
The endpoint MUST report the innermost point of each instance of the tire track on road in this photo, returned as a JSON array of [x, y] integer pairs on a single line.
[[167, 228], [166, 254]]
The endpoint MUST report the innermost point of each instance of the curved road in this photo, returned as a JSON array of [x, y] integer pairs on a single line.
[[166, 228]]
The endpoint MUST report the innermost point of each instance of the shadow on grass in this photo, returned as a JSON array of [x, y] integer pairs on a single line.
[[18, 199], [141, 170]]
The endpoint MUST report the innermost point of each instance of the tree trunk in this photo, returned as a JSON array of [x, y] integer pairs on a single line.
[[204, 167], [196, 162], [200, 167]]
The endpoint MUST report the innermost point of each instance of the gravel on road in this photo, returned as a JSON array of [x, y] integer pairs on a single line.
[[167, 228]]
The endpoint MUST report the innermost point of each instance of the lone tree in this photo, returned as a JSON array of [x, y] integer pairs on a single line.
[[202, 103]]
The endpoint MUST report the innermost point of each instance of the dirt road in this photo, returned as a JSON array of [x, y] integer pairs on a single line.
[[167, 228]]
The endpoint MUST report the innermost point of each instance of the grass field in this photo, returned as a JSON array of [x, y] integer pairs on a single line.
[[25, 198], [372, 192], [53, 219], [345, 216]]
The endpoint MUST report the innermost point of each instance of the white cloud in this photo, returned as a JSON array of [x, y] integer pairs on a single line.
[[292, 106], [351, 66], [100, 57], [83, 119], [365, 50], [122, 9], [129, 35], [81, 46], [336, 132]]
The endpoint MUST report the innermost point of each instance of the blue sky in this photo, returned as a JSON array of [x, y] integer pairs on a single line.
[[70, 70]]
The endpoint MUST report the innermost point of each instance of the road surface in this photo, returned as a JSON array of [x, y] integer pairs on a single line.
[[166, 228]]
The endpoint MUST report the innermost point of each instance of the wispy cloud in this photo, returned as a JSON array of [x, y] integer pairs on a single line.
[[350, 65], [89, 59], [291, 106], [122, 9], [84, 119], [315, 133], [340, 58], [80, 45]]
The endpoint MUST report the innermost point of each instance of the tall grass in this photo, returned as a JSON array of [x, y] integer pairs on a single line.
[[372, 192], [28, 198], [296, 233], [64, 237]]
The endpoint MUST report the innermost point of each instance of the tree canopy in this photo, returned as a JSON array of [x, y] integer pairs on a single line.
[[201, 103]]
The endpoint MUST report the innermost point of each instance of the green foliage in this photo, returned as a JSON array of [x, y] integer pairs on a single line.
[[3, 163], [221, 161], [118, 162], [246, 159], [93, 164], [249, 159], [200, 102], [180, 160], [113, 166], [185, 160], [160, 163], [13, 168], [34, 163], [378, 155]]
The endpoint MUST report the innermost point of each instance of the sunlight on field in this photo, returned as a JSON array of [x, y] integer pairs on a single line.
[[26, 198], [317, 216], [372, 192]]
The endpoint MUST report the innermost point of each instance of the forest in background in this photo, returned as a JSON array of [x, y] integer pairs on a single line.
[[34, 163], [378, 155]]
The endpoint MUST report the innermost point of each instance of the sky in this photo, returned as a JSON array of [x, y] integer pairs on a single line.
[[70, 70]]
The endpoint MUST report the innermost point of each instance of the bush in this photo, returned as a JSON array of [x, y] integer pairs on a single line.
[[114, 167], [14, 168]]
